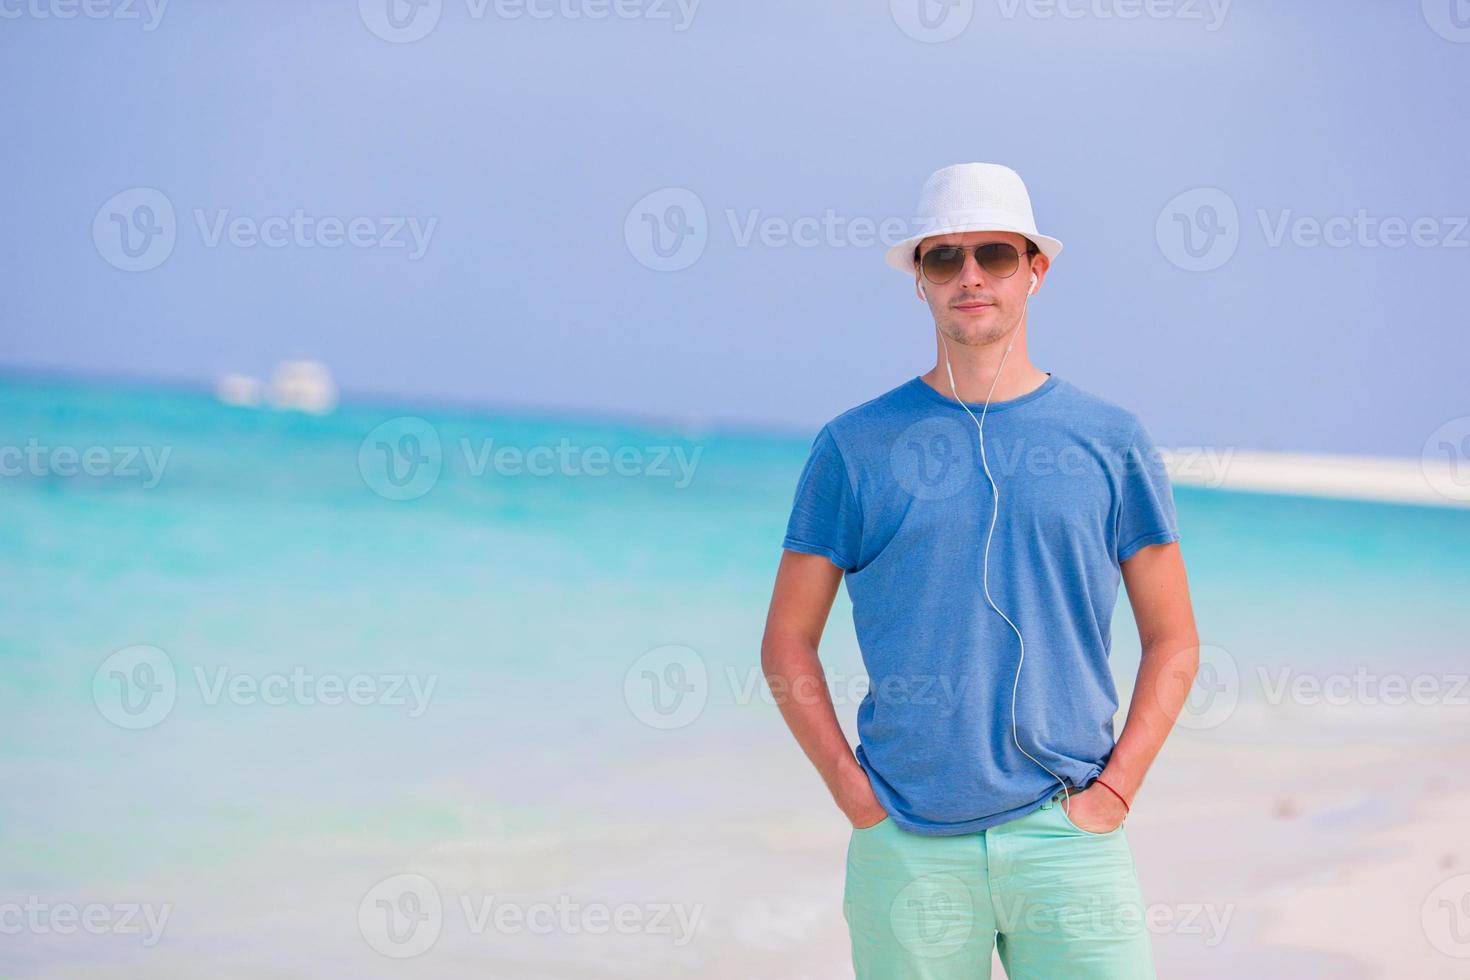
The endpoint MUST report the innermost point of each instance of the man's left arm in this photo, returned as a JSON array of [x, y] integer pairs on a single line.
[[1158, 591]]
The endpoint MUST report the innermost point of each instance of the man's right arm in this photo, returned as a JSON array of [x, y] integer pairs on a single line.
[[800, 604]]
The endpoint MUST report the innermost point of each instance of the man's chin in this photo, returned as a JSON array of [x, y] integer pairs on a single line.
[[972, 334]]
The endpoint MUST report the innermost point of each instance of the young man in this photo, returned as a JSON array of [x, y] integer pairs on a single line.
[[982, 516]]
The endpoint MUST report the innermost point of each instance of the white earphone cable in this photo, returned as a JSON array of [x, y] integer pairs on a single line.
[[995, 513]]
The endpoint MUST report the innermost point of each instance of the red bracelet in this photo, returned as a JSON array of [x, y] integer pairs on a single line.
[[1110, 789]]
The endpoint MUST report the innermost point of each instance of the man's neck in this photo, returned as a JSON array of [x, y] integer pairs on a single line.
[[1016, 380]]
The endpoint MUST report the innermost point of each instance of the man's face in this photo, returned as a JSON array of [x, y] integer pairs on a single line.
[[975, 307]]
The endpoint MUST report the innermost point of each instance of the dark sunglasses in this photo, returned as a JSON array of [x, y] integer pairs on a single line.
[[1000, 259]]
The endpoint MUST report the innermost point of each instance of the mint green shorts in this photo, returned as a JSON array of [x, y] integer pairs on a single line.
[[1054, 900]]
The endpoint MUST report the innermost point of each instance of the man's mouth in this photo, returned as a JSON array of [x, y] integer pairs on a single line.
[[974, 307]]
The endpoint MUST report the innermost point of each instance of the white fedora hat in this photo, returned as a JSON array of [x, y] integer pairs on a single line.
[[971, 197]]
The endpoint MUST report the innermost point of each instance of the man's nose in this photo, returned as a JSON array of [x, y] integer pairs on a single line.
[[970, 273]]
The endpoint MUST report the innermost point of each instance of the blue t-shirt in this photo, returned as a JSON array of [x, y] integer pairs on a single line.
[[894, 493]]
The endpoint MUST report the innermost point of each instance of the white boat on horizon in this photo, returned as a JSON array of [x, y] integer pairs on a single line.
[[303, 386], [240, 390], [296, 385]]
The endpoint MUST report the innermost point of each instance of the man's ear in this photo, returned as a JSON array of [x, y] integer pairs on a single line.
[[1040, 263]]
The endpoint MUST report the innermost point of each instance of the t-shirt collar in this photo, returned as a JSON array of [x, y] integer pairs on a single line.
[[1046, 386]]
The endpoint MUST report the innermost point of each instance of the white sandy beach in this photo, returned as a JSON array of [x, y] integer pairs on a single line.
[[1305, 846], [1311, 848]]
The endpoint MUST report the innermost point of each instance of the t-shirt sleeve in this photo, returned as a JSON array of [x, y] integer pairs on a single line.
[[1146, 515], [825, 518]]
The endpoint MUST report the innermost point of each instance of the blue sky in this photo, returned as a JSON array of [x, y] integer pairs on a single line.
[[521, 146]]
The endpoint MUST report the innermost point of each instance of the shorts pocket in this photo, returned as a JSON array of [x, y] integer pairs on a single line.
[[1067, 819]]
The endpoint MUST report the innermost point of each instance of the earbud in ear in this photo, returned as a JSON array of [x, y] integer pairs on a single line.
[[1033, 285]]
